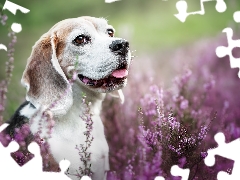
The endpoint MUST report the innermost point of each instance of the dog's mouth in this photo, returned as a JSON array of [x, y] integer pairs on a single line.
[[117, 77]]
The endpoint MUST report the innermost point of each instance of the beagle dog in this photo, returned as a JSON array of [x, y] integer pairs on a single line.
[[84, 48]]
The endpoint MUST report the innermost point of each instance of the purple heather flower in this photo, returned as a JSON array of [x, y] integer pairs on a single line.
[[184, 104], [208, 86], [1, 107], [182, 162], [204, 154], [3, 19], [203, 132], [182, 80]]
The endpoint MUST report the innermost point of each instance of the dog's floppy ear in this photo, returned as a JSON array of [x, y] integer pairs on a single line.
[[46, 83], [118, 94]]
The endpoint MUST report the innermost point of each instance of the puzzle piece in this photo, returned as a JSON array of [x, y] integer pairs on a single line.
[[22, 155], [182, 8], [10, 170], [111, 1], [236, 16], [86, 178], [5, 154], [177, 171], [227, 150], [222, 51], [12, 7], [159, 178], [17, 28], [2, 46]]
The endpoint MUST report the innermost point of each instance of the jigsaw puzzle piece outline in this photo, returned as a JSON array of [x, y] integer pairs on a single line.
[[177, 171], [5, 154], [11, 170], [236, 16], [159, 178], [222, 51], [182, 7], [227, 150], [224, 175], [2, 46], [12, 7], [111, 1], [36, 166]]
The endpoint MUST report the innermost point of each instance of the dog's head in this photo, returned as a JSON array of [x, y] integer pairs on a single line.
[[85, 46]]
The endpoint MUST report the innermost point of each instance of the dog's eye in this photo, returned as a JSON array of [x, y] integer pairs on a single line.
[[110, 32], [82, 39]]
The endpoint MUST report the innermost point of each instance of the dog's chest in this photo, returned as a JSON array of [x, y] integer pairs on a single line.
[[68, 133]]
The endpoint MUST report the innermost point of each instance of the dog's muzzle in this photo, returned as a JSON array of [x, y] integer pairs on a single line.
[[119, 75]]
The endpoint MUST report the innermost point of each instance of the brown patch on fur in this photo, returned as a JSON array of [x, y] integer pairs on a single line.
[[40, 74], [55, 40], [59, 44], [39, 59], [59, 50]]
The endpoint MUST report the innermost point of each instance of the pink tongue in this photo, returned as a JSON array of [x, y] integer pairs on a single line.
[[120, 73]]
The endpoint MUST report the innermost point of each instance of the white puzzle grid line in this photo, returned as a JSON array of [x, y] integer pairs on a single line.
[[223, 51], [182, 6], [227, 150]]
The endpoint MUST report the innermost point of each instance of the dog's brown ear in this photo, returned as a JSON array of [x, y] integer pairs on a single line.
[[46, 83]]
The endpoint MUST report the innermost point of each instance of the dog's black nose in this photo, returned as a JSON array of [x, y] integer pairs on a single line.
[[120, 47]]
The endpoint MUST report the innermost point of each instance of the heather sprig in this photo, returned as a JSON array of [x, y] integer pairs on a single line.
[[83, 149], [9, 66], [170, 132], [3, 90], [3, 18], [46, 124]]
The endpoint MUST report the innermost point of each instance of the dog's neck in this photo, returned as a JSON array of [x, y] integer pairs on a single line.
[[69, 131], [72, 122], [93, 103], [93, 99]]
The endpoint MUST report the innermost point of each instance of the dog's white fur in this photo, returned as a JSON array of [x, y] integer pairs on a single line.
[[52, 63]]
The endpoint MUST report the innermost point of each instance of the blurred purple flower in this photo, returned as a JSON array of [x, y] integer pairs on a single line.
[[184, 104], [3, 18]]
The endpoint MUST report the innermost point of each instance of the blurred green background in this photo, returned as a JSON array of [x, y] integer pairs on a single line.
[[149, 25]]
